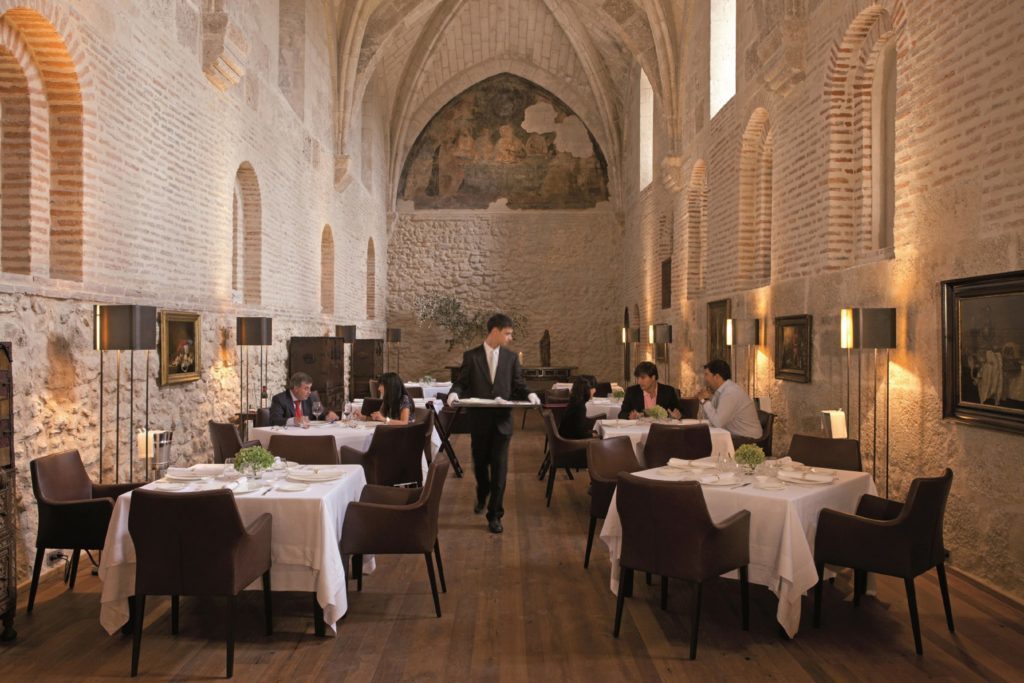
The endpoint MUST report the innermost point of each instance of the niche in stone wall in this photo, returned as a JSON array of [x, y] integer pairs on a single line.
[[506, 142]]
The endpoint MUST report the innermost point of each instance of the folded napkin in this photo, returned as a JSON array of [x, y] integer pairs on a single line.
[[240, 482], [703, 464], [813, 476], [708, 478], [783, 461], [679, 462], [181, 472], [207, 469]]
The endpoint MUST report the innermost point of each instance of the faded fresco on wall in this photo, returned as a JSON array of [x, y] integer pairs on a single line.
[[505, 138]]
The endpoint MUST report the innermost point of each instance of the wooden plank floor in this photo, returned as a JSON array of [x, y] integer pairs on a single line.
[[520, 606]]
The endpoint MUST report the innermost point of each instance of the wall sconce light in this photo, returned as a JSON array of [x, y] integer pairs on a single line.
[[661, 336], [252, 332], [393, 335], [124, 328], [745, 333]]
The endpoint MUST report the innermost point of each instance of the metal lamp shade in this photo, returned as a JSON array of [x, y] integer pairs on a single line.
[[394, 334], [868, 328], [255, 331], [346, 332], [125, 328], [746, 332], [663, 334]]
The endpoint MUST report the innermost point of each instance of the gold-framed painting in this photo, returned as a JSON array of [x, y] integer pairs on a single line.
[[180, 346]]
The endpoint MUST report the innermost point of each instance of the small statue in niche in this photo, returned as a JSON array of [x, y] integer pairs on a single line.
[[545, 350]]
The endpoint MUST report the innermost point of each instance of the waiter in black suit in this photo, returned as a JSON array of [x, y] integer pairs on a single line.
[[298, 395], [491, 371], [647, 393]]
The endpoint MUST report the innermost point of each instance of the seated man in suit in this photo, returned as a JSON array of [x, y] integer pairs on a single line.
[[724, 404], [647, 393], [296, 400]]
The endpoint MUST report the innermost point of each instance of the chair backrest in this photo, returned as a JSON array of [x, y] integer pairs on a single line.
[[428, 433], [604, 389], [184, 542], [556, 396], [689, 406], [395, 454], [225, 439], [262, 417], [689, 442], [606, 458], [818, 451], [374, 388], [923, 514], [433, 487], [414, 392], [60, 477], [767, 421], [663, 526], [305, 450]]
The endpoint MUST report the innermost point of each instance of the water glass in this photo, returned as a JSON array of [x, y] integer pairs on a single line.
[[229, 467]]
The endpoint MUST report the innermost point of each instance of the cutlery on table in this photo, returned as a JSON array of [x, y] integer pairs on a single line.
[[739, 486]]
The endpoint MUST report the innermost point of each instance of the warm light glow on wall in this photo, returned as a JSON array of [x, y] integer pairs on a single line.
[[846, 328], [728, 332], [650, 334], [623, 335]]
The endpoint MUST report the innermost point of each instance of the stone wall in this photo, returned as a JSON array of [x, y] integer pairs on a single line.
[[560, 268]]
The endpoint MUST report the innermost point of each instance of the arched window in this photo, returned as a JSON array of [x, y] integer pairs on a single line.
[[371, 281], [722, 57], [754, 247], [883, 146], [646, 145], [237, 242], [327, 271], [248, 220]]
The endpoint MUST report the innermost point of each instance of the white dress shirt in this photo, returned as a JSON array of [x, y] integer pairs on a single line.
[[730, 408], [492, 359]]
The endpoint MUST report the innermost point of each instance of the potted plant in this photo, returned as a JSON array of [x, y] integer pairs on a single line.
[[465, 326], [749, 456], [618, 394], [256, 458]]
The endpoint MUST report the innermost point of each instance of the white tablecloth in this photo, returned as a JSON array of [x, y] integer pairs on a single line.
[[306, 529], [721, 439], [419, 403], [432, 389], [782, 527], [603, 408]]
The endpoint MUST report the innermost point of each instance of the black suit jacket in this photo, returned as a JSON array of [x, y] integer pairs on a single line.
[[282, 408], [475, 382], [668, 398]]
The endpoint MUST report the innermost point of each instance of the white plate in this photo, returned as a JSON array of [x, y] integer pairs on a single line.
[[314, 477], [728, 481], [190, 476], [801, 478], [667, 473], [771, 485], [169, 486], [291, 486]]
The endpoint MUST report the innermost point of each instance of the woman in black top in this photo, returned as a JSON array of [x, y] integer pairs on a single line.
[[575, 423], [397, 405]]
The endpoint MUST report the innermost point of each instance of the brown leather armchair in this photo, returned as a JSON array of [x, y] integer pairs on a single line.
[[689, 406], [887, 537], [73, 511], [818, 451], [305, 450], [196, 544], [767, 421], [667, 530], [414, 392], [426, 416], [562, 452], [390, 521], [394, 456], [226, 441], [606, 458], [262, 417], [689, 442]]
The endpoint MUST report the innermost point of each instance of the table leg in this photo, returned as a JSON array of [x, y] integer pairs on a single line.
[[318, 617]]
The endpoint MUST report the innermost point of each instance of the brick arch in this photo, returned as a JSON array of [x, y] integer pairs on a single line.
[[15, 167], [251, 229], [755, 216], [695, 228], [327, 271], [31, 39], [848, 91], [371, 281]]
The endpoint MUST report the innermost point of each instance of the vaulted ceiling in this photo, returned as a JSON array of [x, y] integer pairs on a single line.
[[418, 54]]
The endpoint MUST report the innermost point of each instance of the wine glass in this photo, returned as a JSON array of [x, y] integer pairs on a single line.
[[318, 409], [346, 411]]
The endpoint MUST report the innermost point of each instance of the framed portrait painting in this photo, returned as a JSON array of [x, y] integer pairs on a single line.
[[793, 348], [718, 313], [180, 347], [983, 351]]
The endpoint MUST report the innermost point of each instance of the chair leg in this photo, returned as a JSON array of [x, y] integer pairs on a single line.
[[664, 592], [318, 618], [648, 578], [357, 571], [433, 583], [944, 587], [543, 471], [231, 636], [625, 586], [139, 612], [551, 481], [914, 621], [745, 597], [175, 604], [40, 555], [590, 541], [568, 473], [695, 620], [268, 607], [817, 594], [440, 568], [74, 568], [859, 581]]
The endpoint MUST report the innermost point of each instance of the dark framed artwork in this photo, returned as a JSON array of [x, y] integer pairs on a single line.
[[793, 342], [180, 347], [718, 313], [983, 351]]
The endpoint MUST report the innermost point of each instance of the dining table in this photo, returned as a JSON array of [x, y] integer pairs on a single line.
[[604, 408], [305, 532], [637, 430], [783, 522]]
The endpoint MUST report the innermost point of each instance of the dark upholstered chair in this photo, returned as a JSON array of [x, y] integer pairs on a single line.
[[262, 417], [767, 421], [414, 392], [891, 538], [426, 416], [395, 455], [196, 544], [667, 530], [689, 442], [606, 458], [73, 511], [226, 441], [561, 452], [819, 451], [394, 521], [305, 450], [689, 406], [604, 390]]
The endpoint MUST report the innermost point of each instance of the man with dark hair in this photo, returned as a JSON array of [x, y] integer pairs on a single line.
[[491, 371], [647, 393], [724, 404], [296, 400]]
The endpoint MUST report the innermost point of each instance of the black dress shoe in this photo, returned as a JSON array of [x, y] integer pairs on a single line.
[[495, 526], [479, 507]]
